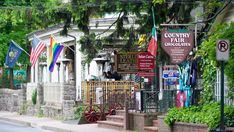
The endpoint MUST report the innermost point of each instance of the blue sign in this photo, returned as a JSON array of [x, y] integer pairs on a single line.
[[170, 74]]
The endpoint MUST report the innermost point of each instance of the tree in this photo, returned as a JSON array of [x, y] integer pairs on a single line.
[[165, 12], [17, 19]]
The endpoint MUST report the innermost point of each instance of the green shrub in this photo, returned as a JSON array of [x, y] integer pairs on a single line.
[[79, 111], [208, 114], [34, 96]]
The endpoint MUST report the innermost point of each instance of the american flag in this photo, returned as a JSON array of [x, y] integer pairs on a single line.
[[137, 78], [37, 47]]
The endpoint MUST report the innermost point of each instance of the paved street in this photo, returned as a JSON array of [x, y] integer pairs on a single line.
[[6, 126], [35, 124]]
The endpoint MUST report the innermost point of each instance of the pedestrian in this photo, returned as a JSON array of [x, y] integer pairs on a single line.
[[103, 76]]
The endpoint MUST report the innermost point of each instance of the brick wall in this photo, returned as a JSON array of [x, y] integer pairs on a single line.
[[181, 126], [189, 127]]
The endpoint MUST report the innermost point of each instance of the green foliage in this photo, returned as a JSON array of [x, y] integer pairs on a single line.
[[208, 63], [40, 113], [208, 114], [90, 46], [23, 108], [158, 1], [4, 80], [18, 18], [34, 96], [79, 111]]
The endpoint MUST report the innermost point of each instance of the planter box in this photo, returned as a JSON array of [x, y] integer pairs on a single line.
[[181, 126], [139, 120]]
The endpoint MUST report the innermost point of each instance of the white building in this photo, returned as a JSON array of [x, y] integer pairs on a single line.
[[71, 67]]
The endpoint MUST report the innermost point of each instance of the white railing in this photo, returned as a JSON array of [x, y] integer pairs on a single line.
[[218, 87]]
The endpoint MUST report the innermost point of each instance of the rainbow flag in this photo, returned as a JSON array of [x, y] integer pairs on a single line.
[[55, 49]]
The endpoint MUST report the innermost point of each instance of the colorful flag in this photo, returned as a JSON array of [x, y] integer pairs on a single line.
[[13, 54], [37, 47], [55, 50], [152, 49]]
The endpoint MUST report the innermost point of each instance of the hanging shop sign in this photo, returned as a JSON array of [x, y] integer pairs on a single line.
[[145, 61], [126, 62], [177, 43], [134, 62]]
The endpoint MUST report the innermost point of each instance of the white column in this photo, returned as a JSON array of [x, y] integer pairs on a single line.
[[78, 70], [48, 63], [44, 73], [36, 72], [58, 72], [66, 73], [32, 74], [61, 72], [160, 78], [61, 77]]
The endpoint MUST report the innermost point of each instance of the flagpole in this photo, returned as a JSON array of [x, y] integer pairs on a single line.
[[155, 69], [20, 47], [153, 16]]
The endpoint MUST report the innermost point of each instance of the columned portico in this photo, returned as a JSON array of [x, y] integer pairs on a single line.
[[61, 77], [48, 62]]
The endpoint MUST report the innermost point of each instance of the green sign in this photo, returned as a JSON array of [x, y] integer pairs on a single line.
[[19, 76]]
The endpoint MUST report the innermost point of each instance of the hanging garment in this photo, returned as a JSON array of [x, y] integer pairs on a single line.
[[187, 90], [180, 99], [193, 79]]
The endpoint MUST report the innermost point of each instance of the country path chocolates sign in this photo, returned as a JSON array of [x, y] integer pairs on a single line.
[[177, 43]]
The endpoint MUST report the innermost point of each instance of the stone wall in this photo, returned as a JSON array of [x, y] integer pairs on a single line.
[[69, 96], [21, 100], [10, 100]]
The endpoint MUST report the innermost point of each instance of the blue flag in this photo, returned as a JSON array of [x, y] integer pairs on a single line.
[[13, 54]]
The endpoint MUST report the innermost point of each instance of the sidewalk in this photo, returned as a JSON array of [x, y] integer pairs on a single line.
[[51, 124]]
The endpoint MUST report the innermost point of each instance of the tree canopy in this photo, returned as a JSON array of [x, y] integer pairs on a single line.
[[18, 18]]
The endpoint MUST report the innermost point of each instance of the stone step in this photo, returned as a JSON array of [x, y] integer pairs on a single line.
[[111, 125], [229, 129], [120, 112], [155, 123], [150, 129], [115, 118]]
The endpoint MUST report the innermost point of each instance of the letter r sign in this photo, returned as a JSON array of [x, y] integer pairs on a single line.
[[222, 50]]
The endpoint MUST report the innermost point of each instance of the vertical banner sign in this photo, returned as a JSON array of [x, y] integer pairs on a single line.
[[177, 43], [145, 61]]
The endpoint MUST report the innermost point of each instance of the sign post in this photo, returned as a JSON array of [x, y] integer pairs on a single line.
[[222, 54], [177, 43]]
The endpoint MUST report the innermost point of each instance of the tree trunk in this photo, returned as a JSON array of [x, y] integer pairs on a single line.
[[11, 78], [28, 74]]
